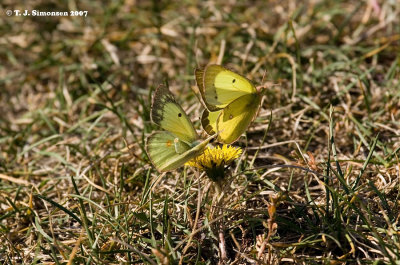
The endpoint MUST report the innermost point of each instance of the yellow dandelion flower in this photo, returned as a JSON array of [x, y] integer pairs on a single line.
[[214, 161]]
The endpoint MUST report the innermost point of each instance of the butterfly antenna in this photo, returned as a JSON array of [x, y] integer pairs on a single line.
[[196, 54], [263, 86], [262, 80]]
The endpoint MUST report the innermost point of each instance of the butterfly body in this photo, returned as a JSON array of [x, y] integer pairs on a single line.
[[232, 102]]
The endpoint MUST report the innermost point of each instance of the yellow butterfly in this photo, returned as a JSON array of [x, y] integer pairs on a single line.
[[232, 102], [172, 148]]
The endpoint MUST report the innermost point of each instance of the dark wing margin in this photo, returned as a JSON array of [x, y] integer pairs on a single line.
[[161, 97]]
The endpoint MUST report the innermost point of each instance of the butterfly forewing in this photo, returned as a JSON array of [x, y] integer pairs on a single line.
[[168, 114], [222, 86]]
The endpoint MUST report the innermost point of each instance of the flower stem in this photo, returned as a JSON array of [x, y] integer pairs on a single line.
[[221, 225]]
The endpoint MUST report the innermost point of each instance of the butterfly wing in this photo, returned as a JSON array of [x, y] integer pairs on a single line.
[[209, 121], [162, 150], [219, 86], [168, 114], [236, 117]]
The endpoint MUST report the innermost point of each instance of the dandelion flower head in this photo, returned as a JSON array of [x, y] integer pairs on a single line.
[[214, 160]]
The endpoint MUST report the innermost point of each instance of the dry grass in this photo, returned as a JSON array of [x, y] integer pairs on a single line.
[[77, 187]]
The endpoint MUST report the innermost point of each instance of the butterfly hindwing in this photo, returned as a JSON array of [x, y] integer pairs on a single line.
[[236, 117], [163, 147], [168, 114], [160, 148], [232, 121]]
